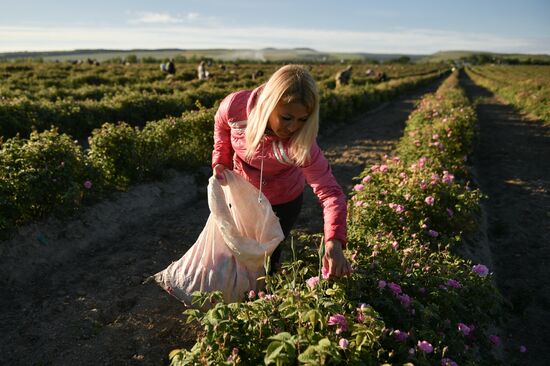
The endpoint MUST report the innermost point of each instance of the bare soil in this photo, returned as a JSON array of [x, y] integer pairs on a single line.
[[90, 307], [512, 161]]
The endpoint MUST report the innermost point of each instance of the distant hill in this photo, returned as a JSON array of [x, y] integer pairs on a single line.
[[302, 54], [443, 56], [266, 54]]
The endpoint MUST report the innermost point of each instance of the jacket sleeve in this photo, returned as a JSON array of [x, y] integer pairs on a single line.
[[333, 200], [223, 151]]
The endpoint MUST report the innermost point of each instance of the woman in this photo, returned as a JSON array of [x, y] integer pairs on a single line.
[[268, 136]]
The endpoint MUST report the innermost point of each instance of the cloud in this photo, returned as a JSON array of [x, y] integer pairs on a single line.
[[158, 30], [154, 18], [193, 16], [151, 18]]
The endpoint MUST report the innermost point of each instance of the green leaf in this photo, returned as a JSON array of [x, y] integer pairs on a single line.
[[272, 353], [330, 292], [282, 337], [324, 343], [310, 356], [315, 317], [174, 353], [192, 314]]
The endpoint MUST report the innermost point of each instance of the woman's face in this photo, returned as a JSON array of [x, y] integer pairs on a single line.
[[287, 118]]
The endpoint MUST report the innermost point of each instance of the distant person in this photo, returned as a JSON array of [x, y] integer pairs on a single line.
[[201, 71], [343, 77], [168, 67], [171, 67], [376, 76], [380, 76], [257, 74]]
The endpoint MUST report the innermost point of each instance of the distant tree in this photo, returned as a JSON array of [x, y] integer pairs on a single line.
[[371, 61], [400, 60], [133, 59], [149, 60], [180, 59], [114, 60], [482, 58]]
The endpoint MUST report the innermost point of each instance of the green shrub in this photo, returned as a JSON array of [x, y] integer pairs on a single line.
[[42, 175]]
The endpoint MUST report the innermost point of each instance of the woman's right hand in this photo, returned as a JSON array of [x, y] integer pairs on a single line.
[[218, 173]]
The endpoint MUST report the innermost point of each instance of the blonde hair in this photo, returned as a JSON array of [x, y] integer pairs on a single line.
[[289, 84]]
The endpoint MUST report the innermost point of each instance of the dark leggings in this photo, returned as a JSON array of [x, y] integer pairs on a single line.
[[288, 214]]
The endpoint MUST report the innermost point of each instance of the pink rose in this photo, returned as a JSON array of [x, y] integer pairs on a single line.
[[400, 336], [448, 362], [494, 339], [433, 233], [464, 329], [425, 346], [405, 300], [448, 178], [453, 283], [429, 200], [340, 321], [480, 270], [312, 282], [395, 288]]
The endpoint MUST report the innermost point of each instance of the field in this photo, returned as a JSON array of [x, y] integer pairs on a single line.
[[102, 179]]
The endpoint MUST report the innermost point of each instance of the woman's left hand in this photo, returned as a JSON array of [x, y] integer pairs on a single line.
[[334, 260]]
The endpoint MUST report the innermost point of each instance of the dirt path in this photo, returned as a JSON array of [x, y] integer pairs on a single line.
[[94, 310], [513, 166]]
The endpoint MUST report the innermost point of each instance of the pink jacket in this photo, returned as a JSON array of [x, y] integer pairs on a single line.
[[282, 180]]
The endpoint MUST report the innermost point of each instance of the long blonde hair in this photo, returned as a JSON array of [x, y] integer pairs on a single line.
[[289, 84]]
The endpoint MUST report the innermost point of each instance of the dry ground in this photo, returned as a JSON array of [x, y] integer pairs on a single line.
[[512, 161]]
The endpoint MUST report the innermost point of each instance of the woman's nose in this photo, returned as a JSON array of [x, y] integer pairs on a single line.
[[294, 126]]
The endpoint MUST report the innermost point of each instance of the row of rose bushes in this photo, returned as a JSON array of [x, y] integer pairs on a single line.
[[77, 99], [50, 173], [410, 299], [79, 118], [141, 103], [341, 104], [525, 87], [48, 80], [53, 81]]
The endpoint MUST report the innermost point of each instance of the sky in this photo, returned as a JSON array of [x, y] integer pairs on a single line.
[[391, 26]]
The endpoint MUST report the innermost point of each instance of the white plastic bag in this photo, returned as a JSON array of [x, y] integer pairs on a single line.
[[229, 253]]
